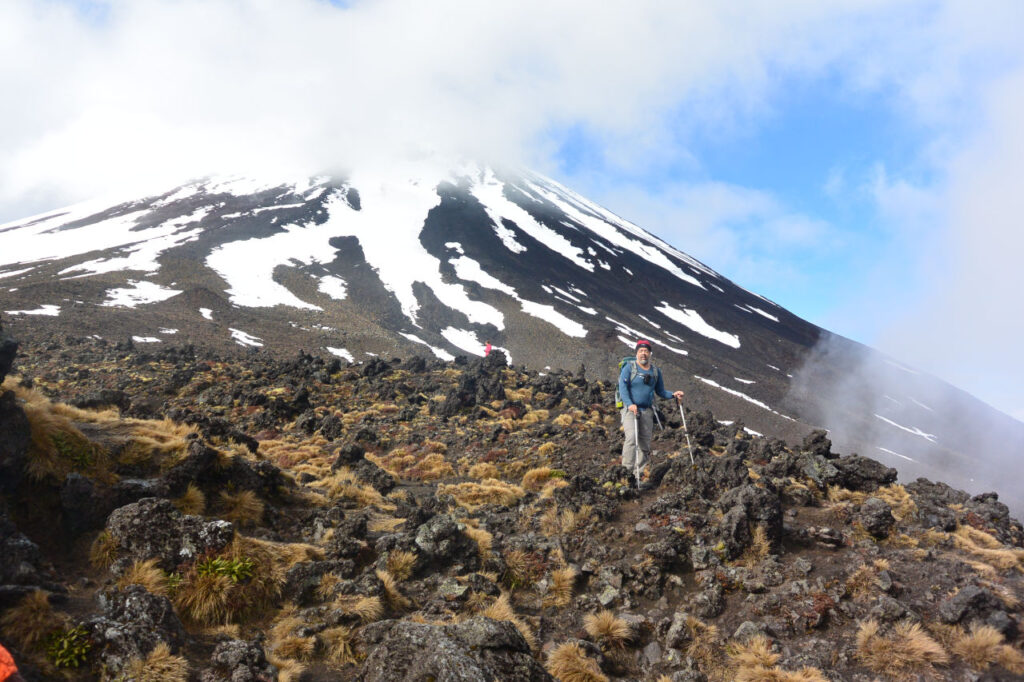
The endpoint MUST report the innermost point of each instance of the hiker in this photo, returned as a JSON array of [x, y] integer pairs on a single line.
[[639, 382], [487, 349]]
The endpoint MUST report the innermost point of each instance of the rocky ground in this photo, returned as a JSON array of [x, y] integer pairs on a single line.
[[189, 515]]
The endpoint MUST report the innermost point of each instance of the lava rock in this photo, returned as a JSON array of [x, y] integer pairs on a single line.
[[153, 528], [817, 443], [15, 434], [861, 473], [477, 649], [134, 621], [239, 661], [86, 504], [442, 542], [105, 397], [875, 515]]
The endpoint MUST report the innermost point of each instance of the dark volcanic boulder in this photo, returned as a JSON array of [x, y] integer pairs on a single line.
[[153, 528], [239, 661], [21, 564], [747, 507], [8, 349], [861, 473], [14, 441], [134, 621], [442, 541], [817, 443], [86, 503], [104, 397], [876, 517], [475, 650]]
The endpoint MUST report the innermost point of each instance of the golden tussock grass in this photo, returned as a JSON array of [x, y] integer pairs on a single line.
[[242, 508], [192, 501], [483, 470], [288, 669], [344, 485], [551, 486], [395, 599], [159, 666], [754, 653], [103, 550], [520, 569], [778, 675], [401, 564], [988, 549], [288, 454], [758, 550], [984, 646], [534, 479], [328, 585], [337, 643], [562, 420], [560, 589], [483, 540], [568, 663], [366, 609], [30, 621], [204, 599], [895, 495], [489, 491], [502, 609], [148, 575], [547, 449], [862, 581], [904, 652], [535, 417], [704, 647], [384, 524], [285, 641], [607, 630]]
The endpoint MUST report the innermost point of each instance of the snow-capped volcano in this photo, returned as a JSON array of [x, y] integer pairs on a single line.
[[418, 261]]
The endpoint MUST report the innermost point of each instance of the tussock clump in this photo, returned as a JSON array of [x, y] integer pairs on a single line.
[[31, 621], [759, 548], [482, 470], [192, 501], [401, 564], [366, 609], [329, 583], [489, 491], [521, 569], [607, 630], [980, 647], [754, 653], [147, 574], [384, 524], [502, 609], [902, 653], [396, 600], [988, 549], [288, 669], [704, 646], [483, 540], [285, 640], [204, 598], [159, 666], [338, 645], [568, 663], [344, 485], [103, 550], [862, 581], [560, 590], [242, 508]]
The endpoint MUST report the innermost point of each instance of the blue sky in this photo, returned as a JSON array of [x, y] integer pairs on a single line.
[[855, 161]]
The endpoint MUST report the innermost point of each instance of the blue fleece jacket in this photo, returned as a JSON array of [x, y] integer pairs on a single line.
[[637, 392]]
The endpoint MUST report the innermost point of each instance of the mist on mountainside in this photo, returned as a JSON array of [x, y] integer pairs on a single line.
[[868, 398]]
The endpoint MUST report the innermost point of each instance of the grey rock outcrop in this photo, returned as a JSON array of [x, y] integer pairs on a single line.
[[153, 528], [476, 650]]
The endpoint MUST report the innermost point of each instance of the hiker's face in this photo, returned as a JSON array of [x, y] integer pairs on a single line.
[[643, 355]]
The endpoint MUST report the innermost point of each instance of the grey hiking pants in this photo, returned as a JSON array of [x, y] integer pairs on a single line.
[[645, 422]]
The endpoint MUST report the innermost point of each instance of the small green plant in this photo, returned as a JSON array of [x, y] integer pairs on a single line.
[[81, 455], [238, 569], [174, 581], [68, 648]]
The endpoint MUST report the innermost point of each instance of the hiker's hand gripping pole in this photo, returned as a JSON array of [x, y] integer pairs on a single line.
[[686, 431]]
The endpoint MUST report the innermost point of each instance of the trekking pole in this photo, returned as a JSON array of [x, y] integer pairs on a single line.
[[636, 449], [686, 431], [657, 418]]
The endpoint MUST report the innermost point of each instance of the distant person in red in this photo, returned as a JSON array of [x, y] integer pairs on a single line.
[[487, 349], [8, 671]]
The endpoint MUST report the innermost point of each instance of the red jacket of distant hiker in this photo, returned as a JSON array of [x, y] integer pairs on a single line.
[[8, 671], [487, 349]]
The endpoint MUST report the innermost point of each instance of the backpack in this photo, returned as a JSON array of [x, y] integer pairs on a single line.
[[633, 371]]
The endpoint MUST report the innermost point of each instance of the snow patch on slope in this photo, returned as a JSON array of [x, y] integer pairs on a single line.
[[693, 320]]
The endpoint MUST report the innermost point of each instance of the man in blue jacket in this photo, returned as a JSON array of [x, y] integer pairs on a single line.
[[639, 382]]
